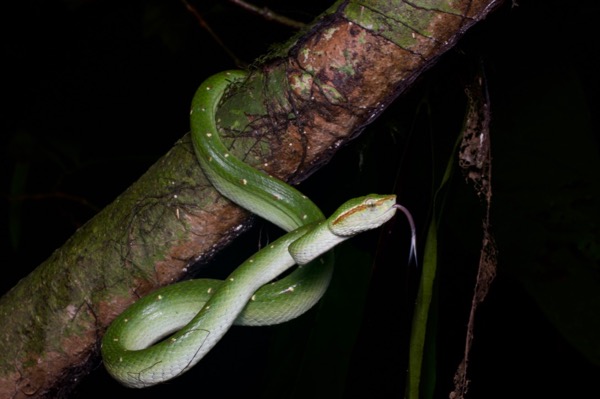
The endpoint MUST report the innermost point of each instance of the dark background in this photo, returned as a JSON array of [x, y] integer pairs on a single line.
[[94, 92]]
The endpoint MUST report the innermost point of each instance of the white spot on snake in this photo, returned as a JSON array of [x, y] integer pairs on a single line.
[[116, 339], [209, 290], [304, 216], [159, 297], [203, 109], [175, 196], [231, 278], [265, 164], [226, 155], [126, 320], [253, 298], [250, 260], [208, 88], [244, 182], [173, 339], [209, 134], [120, 359]]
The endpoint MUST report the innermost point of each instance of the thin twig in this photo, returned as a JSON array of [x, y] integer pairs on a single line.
[[269, 15], [476, 163], [215, 37]]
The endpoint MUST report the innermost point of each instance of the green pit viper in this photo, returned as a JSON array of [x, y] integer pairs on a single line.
[[193, 315]]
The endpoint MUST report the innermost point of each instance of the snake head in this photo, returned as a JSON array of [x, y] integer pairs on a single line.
[[362, 214]]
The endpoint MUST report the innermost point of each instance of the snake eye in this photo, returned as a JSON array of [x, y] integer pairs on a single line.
[[370, 202]]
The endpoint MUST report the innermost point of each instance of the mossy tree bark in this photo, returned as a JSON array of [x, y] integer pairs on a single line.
[[299, 108]]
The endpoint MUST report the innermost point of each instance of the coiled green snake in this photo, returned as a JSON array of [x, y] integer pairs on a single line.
[[193, 315]]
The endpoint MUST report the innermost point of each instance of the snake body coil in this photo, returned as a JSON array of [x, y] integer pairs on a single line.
[[195, 314]]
